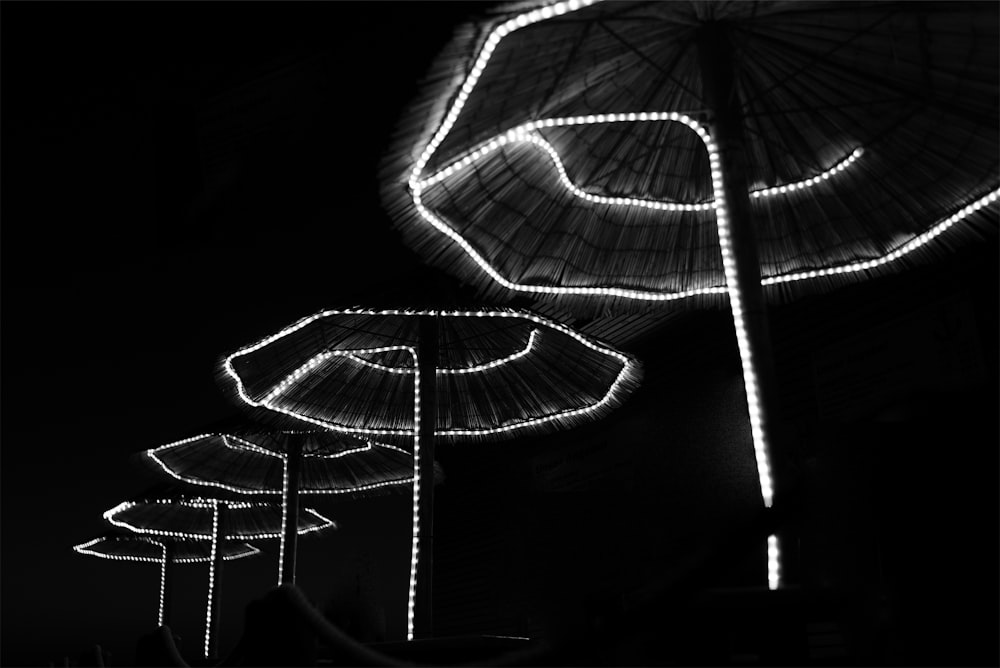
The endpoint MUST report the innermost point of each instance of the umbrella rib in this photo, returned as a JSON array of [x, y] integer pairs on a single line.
[[649, 61], [816, 58], [885, 83]]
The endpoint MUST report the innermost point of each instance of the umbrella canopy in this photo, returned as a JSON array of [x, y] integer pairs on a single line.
[[497, 373], [416, 376], [192, 518], [120, 546], [132, 547], [559, 148], [253, 462]]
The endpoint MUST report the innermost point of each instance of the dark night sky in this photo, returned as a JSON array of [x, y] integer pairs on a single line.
[[125, 276], [132, 260]]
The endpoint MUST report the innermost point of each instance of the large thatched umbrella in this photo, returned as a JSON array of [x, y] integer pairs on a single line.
[[248, 459], [622, 153], [164, 512], [124, 546], [411, 377]]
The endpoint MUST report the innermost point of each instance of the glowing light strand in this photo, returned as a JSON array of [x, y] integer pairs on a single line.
[[211, 576], [415, 542], [154, 456], [84, 548], [163, 582], [476, 368], [525, 134], [110, 515], [773, 564], [521, 133], [627, 371], [284, 517]]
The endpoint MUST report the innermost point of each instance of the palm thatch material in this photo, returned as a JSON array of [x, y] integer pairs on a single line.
[[121, 546], [253, 462], [498, 373], [871, 135]]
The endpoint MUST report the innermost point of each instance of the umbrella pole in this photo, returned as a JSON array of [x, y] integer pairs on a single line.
[[290, 510], [739, 254], [215, 582], [166, 582], [421, 622]]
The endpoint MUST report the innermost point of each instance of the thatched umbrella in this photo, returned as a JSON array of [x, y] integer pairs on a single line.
[[411, 377], [168, 513], [124, 546], [248, 459], [622, 153]]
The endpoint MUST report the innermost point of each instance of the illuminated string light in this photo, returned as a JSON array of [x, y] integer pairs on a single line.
[[900, 251], [415, 543], [111, 516], [627, 371], [163, 582], [444, 371], [211, 576], [773, 567], [525, 132], [84, 548], [284, 517], [155, 453]]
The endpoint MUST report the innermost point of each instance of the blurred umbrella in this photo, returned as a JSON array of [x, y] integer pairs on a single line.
[[166, 512], [614, 153], [248, 459], [122, 546], [470, 374]]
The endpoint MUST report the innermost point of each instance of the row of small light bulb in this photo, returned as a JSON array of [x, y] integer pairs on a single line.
[[525, 134], [243, 444], [415, 539], [255, 490], [163, 581], [479, 65], [284, 517], [485, 366], [211, 576], [773, 563], [810, 182], [896, 254], [758, 435], [84, 549], [322, 522]]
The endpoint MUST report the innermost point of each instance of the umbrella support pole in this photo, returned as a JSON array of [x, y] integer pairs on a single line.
[[290, 510], [420, 623], [742, 265], [215, 583], [166, 583]]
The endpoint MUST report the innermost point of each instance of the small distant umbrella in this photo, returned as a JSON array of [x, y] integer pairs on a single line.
[[620, 153], [415, 376], [163, 512], [163, 551], [251, 460]]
